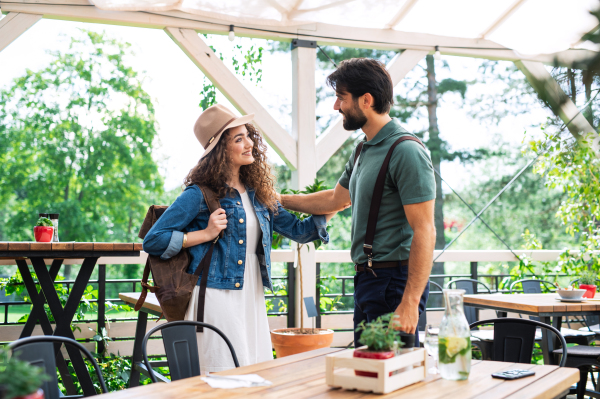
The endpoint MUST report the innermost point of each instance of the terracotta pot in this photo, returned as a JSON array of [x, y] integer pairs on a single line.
[[590, 290], [43, 233], [367, 354], [36, 395], [287, 341]]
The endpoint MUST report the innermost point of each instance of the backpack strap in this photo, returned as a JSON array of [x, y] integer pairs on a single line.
[[213, 204], [376, 202]]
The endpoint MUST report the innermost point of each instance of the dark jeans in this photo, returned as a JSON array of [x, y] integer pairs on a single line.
[[376, 296]]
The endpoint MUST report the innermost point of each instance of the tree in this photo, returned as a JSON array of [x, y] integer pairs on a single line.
[[76, 139]]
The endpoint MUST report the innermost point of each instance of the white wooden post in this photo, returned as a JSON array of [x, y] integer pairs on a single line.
[[304, 103], [228, 84], [543, 83], [335, 135], [14, 25]]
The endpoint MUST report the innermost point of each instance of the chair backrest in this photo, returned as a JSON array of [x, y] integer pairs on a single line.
[[531, 285], [181, 348], [40, 351], [422, 325], [471, 287], [514, 339]]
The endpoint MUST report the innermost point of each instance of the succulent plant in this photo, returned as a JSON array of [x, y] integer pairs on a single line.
[[19, 378]]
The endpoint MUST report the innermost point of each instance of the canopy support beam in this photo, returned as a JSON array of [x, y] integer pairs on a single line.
[[335, 135], [227, 83], [14, 25], [560, 104], [304, 104]]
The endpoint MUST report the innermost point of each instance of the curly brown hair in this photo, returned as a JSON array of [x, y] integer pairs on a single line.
[[213, 170]]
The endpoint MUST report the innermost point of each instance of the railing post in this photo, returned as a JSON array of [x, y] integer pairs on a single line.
[[291, 290], [474, 270], [318, 296], [101, 305]]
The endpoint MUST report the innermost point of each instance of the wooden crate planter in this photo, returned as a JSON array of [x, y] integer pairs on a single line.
[[411, 367]]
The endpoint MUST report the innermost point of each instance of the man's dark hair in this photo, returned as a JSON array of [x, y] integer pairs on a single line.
[[359, 76]]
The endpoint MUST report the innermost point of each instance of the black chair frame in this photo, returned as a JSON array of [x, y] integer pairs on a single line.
[[175, 368], [471, 286], [49, 361], [532, 280], [526, 345]]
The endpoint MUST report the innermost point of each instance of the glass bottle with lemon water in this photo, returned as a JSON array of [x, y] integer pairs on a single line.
[[454, 339]]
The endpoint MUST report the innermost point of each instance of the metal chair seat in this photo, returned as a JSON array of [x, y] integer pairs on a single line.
[[580, 351]]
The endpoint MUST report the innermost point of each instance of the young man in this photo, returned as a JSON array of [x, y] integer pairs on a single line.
[[402, 249]]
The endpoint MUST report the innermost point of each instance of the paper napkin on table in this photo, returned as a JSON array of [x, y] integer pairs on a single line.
[[235, 381]]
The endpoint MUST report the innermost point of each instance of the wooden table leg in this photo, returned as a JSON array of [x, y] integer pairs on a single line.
[[64, 316], [137, 358]]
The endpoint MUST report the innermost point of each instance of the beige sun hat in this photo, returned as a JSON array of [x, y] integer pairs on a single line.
[[213, 122]]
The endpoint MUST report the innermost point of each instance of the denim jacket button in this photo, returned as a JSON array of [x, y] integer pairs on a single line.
[[239, 262], [241, 220], [241, 241], [238, 202], [237, 285]]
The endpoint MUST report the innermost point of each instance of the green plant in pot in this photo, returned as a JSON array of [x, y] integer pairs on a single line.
[[19, 379], [587, 281], [380, 337]]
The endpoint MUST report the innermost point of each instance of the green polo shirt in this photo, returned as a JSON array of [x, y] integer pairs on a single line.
[[409, 180]]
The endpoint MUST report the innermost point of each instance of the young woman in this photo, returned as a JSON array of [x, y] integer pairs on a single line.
[[234, 166]]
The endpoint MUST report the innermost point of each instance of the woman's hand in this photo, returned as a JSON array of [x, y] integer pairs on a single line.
[[216, 223]]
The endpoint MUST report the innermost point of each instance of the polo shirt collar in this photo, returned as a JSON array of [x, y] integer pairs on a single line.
[[391, 127]]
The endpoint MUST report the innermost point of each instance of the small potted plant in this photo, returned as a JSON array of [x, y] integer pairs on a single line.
[[19, 379], [587, 281], [380, 338], [43, 230]]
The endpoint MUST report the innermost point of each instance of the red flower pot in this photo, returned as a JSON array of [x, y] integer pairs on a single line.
[[590, 290], [43, 233], [36, 395], [366, 354]]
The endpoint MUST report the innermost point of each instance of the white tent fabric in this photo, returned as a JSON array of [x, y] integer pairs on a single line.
[[527, 26]]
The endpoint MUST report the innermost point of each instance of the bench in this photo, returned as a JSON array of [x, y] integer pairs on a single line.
[[150, 306]]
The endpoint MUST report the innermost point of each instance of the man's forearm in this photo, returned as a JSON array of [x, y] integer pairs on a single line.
[[419, 264], [319, 203]]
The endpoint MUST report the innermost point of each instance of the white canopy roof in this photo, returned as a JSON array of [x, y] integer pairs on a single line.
[[527, 26]]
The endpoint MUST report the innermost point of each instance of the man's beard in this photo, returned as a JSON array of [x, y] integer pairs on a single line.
[[354, 120]]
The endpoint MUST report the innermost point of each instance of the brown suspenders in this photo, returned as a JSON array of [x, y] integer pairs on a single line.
[[376, 200]]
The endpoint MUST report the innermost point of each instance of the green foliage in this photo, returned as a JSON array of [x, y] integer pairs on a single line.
[[588, 277], [574, 168], [44, 222], [76, 139], [249, 65], [379, 335], [18, 377]]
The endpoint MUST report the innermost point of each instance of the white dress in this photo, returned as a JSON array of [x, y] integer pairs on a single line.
[[240, 314]]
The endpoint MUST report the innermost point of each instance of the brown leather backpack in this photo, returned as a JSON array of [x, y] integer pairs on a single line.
[[173, 285]]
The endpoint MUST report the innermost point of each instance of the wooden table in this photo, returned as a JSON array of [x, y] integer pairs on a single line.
[[544, 306], [303, 376], [37, 252]]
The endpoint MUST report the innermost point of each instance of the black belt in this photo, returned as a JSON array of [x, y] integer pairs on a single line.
[[361, 267]]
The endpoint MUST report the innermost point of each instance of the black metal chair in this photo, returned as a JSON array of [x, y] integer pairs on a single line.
[[534, 286], [41, 351], [181, 348], [587, 360], [422, 325], [514, 339], [483, 339]]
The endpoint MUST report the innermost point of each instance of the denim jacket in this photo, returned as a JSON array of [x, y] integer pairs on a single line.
[[190, 213]]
